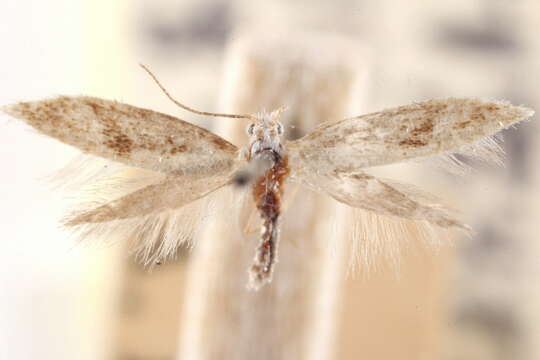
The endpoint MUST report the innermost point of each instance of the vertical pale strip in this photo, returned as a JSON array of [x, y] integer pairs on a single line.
[[108, 67], [493, 313], [50, 306], [294, 316], [530, 68]]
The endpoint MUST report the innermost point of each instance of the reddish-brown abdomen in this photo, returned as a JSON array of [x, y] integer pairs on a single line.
[[267, 192]]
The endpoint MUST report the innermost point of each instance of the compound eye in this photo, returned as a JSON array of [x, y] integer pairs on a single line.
[[250, 129], [279, 128]]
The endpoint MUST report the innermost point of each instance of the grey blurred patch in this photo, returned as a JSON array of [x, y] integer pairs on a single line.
[[517, 145], [253, 171], [293, 131], [489, 38], [501, 325], [208, 25]]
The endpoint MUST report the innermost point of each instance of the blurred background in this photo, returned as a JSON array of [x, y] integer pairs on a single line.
[[472, 299]]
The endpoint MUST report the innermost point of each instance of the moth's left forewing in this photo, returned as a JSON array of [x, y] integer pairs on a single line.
[[417, 130], [330, 158]]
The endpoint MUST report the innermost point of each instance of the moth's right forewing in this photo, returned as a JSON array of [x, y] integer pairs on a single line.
[[128, 134]]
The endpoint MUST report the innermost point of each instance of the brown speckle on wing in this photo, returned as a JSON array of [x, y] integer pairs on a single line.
[[178, 149], [406, 132], [128, 134], [412, 143], [425, 128]]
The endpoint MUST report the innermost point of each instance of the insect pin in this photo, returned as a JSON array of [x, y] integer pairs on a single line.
[[193, 162]]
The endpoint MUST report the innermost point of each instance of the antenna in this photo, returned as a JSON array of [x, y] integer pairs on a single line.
[[249, 117]]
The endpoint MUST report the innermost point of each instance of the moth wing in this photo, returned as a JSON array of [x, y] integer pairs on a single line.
[[128, 134], [168, 194], [383, 197], [249, 221], [156, 213], [418, 130]]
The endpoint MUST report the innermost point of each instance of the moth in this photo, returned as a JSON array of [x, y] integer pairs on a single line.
[[193, 162]]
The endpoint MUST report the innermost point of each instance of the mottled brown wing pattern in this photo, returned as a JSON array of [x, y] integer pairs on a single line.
[[163, 208], [128, 134], [402, 133], [330, 158]]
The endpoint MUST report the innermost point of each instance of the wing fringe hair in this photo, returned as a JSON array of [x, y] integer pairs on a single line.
[[377, 241], [153, 236], [460, 162]]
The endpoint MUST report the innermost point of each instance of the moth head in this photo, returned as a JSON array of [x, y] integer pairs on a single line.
[[266, 125]]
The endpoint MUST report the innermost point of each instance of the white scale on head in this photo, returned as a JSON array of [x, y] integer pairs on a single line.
[[265, 134], [265, 145]]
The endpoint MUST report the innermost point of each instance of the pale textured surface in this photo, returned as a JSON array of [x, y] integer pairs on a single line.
[[364, 191], [156, 214], [157, 236], [128, 134], [169, 194], [406, 132]]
